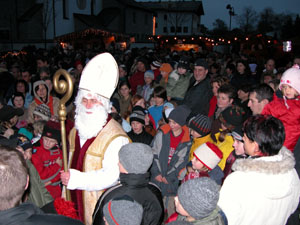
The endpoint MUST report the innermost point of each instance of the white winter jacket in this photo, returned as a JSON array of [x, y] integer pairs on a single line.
[[262, 191]]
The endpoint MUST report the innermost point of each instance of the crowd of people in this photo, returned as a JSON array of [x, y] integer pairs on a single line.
[[154, 137]]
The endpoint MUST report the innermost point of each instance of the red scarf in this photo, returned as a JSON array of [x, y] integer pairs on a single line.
[[49, 104]]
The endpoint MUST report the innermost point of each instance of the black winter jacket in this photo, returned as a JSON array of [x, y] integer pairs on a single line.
[[29, 214], [197, 96], [137, 187]]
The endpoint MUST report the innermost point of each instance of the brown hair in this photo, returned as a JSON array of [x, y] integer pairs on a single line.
[[13, 177]]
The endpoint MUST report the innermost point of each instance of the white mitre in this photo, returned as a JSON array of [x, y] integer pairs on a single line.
[[100, 75]]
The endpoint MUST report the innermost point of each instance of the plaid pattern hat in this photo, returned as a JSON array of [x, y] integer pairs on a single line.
[[232, 116], [201, 124], [138, 114], [52, 130], [123, 211], [209, 155], [199, 197], [43, 111]]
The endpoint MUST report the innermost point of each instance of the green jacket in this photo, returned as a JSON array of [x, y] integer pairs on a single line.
[[37, 193], [215, 218], [178, 84]]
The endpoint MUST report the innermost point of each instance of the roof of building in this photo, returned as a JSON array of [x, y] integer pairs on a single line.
[[134, 4], [28, 14], [193, 6]]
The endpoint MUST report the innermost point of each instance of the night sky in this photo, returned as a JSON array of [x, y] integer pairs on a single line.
[[214, 9]]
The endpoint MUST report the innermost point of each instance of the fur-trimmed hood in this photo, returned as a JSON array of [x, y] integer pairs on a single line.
[[273, 176], [281, 163]]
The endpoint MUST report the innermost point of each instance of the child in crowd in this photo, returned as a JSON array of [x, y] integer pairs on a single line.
[[37, 193], [196, 202], [38, 128], [225, 97], [200, 128], [171, 147], [165, 70], [288, 108], [230, 118], [18, 101], [10, 116], [154, 66], [178, 81], [147, 89], [122, 211], [122, 73], [239, 151], [160, 97], [243, 99], [47, 158], [216, 83], [115, 113], [41, 112], [205, 163], [137, 122], [124, 97]]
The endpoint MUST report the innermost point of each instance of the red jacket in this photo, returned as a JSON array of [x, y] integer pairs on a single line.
[[135, 80], [45, 163], [288, 111]]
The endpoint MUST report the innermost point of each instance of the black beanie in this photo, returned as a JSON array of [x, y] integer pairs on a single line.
[[180, 114], [52, 130], [138, 114]]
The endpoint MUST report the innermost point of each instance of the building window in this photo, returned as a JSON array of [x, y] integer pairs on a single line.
[[178, 30], [185, 29], [172, 29], [65, 9], [165, 17], [146, 19], [165, 30], [134, 18]]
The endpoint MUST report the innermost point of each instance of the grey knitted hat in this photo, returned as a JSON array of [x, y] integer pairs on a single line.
[[178, 222], [123, 211], [149, 73], [180, 114], [201, 124], [136, 157], [199, 197]]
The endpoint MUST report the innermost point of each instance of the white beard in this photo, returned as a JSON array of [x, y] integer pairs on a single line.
[[90, 124]]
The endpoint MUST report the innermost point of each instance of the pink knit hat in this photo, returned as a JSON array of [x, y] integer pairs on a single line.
[[209, 155], [291, 77]]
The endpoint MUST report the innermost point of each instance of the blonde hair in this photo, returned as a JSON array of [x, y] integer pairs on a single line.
[[38, 126]]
